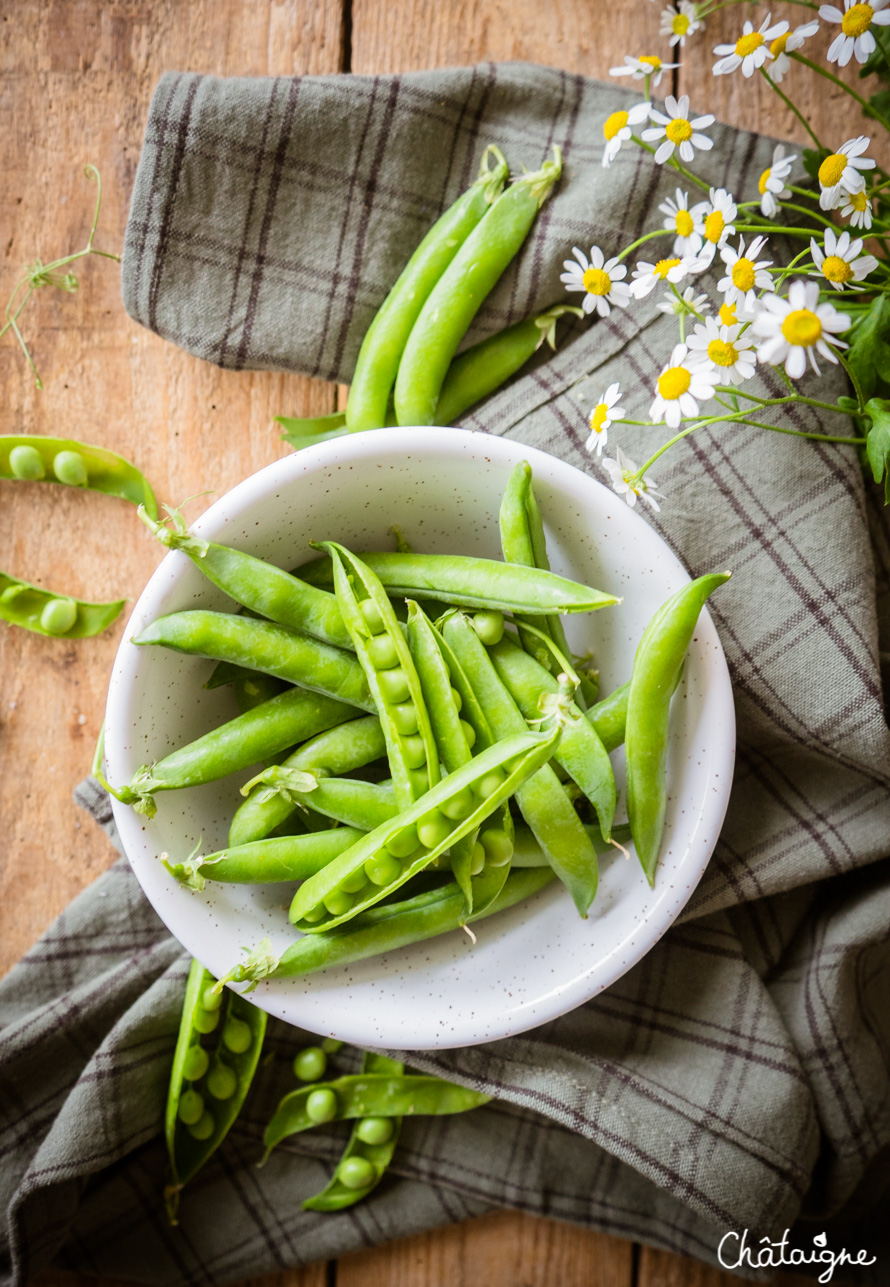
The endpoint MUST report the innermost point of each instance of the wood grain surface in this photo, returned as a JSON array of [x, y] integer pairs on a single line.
[[76, 80]]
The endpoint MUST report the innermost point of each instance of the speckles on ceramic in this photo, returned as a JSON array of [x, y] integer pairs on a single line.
[[443, 487]]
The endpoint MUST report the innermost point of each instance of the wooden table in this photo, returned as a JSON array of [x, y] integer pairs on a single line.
[[77, 77]]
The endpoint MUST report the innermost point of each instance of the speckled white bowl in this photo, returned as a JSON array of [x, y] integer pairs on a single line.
[[443, 486]]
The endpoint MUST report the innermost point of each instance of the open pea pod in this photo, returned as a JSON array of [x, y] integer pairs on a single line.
[[368, 1153], [217, 1051], [57, 616], [34, 458]]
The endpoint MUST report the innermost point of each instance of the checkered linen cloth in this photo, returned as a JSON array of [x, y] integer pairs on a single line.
[[738, 1076]]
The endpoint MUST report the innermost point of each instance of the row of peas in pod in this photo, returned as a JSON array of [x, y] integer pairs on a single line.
[[215, 1060], [432, 754], [35, 458]]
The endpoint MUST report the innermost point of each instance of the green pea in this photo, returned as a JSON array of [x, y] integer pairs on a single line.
[[356, 1173], [203, 1128], [211, 1000], [489, 626], [394, 685], [477, 859], [237, 1036], [11, 593], [414, 751], [469, 733], [321, 1106], [497, 845], [457, 699], [331, 1046], [70, 467], [315, 914], [383, 869], [26, 462], [311, 1063], [405, 718], [191, 1107], [222, 1082], [58, 616], [205, 1020], [372, 616], [403, 843], [420, 780], [338, 902], [354, 881], [488, 784], [374, 1130], [383, 653], [433, 829], [196, 1063], [461, 805]]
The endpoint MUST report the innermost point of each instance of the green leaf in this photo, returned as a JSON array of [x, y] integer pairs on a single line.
[[878, 442], [880, 104], [869, 353], [812, 159]]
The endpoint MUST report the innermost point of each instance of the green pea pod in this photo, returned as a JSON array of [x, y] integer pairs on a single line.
[[461, 290], [386, 337], [338, 892], [371, 1095], [542, 800], [657, 663], [581, 753], [209, 1079], [272, 726], [390, 672], [54, 615], [264, 646], [482, 369], [365, 805], [338, 750], [262, 587], [609, 716], [467, 582], [385, 928], [32, 458], [264, 862], [377, 1153], [304, 430], [515, 519], [528, 853]]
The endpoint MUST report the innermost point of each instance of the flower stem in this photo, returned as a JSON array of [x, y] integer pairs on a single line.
[[854, 379], [788, 103], [647, 236], [867, 108], [687, 174]]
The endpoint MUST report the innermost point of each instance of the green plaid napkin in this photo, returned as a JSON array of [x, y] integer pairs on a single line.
[[737, 1078]]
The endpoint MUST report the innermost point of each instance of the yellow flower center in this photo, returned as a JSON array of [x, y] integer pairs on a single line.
[[664, 266], [764, 179], [684, 223], [679, 130], [837, 269], [858, 200], [832, 168], [743, 272], [727, 314], [714, 225], [747, 44], [598, 419], [778, 45], [802, 327], [596, 281], [722, 353], [857, 20], [616, 122], [673, 383], [652, 60], [680, 24]]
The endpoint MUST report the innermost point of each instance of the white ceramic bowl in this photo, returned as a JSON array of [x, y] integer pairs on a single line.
[[443, 487]]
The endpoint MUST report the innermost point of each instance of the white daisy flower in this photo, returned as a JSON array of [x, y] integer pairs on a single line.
[[772, 182], [601, 418], [676, 130], [794, 329], [746, 273], [782, 46], [679, 25], [623, 473], [842, 171], [647, 276], [686, 381], [646, 65], [751, 50], [680, 220], [617, 129], [715, 221], [726, 348], [841, 262], [855, 36], [730, 314], [688, 302], [599, 278], [856, 207]]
